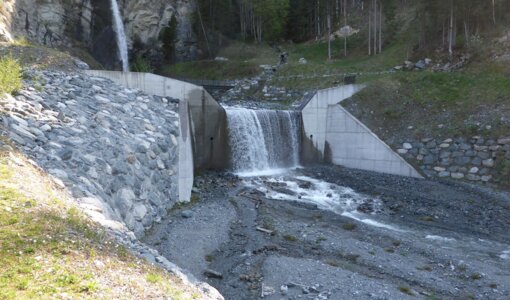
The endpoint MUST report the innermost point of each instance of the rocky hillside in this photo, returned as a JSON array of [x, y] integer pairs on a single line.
[[87, 25], [110, 154], [106, 143], [50, 250]]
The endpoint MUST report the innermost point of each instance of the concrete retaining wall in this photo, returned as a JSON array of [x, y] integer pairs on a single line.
[[332, 134], [185, 168]]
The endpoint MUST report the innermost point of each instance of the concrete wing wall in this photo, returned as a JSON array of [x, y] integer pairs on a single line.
[[314, 113], [332, 134], [203, 139], [185, 168], [350, 143]]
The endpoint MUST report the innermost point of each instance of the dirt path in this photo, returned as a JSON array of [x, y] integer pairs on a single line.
[[409, 243]]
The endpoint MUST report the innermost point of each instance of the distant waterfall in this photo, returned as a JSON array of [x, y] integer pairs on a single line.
[[118, 25], [263, 140]]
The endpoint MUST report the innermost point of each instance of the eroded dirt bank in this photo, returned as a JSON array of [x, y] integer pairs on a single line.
[[368, 236]]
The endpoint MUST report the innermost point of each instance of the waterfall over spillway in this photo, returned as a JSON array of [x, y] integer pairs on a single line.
[[120, 34], [263, 140]]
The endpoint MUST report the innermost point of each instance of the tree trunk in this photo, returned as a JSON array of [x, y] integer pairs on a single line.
[[337, 9], [450, 35], [375, 27], [318, 14], [329, 35], [443, 37], [380, 27], [494, 11], [369, 32], [466, 32], [203, 30], [345, 25]]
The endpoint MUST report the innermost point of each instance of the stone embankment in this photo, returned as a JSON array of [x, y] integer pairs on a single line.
[[115, 149], [476, 159]]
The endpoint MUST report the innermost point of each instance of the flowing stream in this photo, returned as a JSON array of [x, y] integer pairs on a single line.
[[120, 35]]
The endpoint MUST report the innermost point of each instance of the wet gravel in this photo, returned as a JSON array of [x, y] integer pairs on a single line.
[[400, 239]]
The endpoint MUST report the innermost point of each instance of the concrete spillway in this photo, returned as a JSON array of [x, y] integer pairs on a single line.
[[262, 141]]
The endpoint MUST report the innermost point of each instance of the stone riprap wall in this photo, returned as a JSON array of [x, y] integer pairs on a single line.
[[473, 159], [115, 149], [208, 118]]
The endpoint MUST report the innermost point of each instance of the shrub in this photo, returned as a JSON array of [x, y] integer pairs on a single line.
[[168, 37], [142, 64], [10, 75]]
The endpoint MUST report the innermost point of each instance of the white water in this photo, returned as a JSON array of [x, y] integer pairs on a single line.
[[120, 34], [439, 238], [325, 195], [339, 199], [263, 142], [505, 254]]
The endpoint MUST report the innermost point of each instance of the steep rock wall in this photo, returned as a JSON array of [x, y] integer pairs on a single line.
[[144, 20], [88, 24]]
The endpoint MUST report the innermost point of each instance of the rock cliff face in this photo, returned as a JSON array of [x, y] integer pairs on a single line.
[[47, 22], [88, 24], [144, 20]]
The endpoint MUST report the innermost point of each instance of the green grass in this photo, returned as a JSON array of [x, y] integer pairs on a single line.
[[426, 99], [406, 290], [212, 70], [290, 238], [50, 250], [10, 76], [34, 251], [244, 60], [209, 257], [141, 64], [22, 41], [154, 278], [349, 226]]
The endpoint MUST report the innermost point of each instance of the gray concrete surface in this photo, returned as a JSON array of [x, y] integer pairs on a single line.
[[332, 134], [185, 167]]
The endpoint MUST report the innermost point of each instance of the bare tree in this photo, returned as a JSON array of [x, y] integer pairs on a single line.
[[375, 26], [450, 32], [494, 11], [345, 26], [380, 27], [329, 34], [369, 32]]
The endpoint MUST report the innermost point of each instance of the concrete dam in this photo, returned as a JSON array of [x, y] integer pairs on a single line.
[[259, 142]]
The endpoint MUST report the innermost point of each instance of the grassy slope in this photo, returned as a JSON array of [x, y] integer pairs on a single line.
[[42, 57], [49, 250], [244, 61], [465, 103]]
